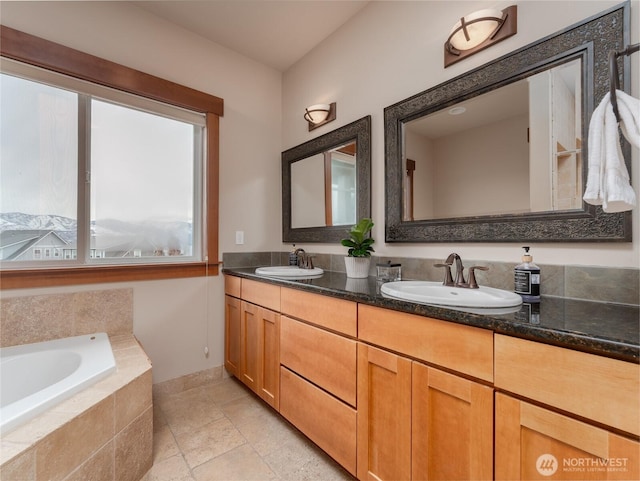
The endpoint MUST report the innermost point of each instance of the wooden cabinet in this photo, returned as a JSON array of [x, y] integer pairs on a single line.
[[594, 387], [327, 421], [533, 443], [398, 396], [596, 399], [451, 426], [252, 339], [324, 358], [330, 313], [260, 351], [465, 349], [249, 342], [318, 383], [232, 338], [384, 415], [269, 357], [418, 422]]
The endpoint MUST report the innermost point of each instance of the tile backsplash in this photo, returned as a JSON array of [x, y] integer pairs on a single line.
[[600, 284], [27, 319]]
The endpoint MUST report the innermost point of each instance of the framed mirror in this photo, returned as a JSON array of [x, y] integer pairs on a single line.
[[326, 184], [499, 154]]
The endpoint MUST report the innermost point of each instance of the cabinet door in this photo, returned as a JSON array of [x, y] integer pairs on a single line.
[[250, 323], [384, 415], [232, 340], [269, 357], [452, 426], [535, 443]]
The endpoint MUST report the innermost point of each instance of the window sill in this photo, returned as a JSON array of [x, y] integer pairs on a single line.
[[30, 278]]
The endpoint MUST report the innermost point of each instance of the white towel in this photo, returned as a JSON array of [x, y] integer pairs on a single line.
[[608, 179]]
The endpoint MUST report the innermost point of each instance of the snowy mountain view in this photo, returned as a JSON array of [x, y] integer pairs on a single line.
[[109, 237]]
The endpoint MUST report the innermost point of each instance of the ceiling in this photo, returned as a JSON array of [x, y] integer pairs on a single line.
[[276, 33]]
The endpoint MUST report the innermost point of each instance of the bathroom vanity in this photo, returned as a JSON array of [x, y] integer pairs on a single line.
[[396, 390]]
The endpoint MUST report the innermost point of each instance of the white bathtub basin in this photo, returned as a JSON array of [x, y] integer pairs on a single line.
[[36, 377], [289, 272], [427, 292]]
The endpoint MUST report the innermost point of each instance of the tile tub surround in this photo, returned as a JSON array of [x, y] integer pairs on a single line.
[[104, 432], [600, 284], [29, 319]]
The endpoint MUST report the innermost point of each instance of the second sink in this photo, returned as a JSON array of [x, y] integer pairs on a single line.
[[289, 272], [428, 292]]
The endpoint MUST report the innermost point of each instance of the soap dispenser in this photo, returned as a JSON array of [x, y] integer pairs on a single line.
[[527, 278], [293, 256]]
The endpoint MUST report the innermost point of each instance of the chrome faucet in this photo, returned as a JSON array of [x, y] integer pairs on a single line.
[[305, 261], [458, 280]]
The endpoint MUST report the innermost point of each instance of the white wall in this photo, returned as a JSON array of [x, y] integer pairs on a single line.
[[393, 50], [172, 318]]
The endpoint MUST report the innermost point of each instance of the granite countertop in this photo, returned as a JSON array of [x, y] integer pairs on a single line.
[[611, 330]]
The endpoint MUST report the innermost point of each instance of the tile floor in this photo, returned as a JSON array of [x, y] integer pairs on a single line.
[[222, 431]]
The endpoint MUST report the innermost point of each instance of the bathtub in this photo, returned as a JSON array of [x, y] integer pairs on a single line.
[[35, 377]]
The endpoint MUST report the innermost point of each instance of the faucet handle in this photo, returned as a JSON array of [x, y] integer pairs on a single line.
[[472, 276], [448, 280], [308, 262]]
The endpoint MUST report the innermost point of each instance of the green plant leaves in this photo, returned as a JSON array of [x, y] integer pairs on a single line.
[[359, 245]]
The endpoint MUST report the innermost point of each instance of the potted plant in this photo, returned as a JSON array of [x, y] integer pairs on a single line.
[[359, 244]]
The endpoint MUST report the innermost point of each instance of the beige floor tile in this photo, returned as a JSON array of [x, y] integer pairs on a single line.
[[267, 433], [223, 431], [228, 390], [211, 440], [164, 443], [240, 464], [248, 409], [289, 460], [170, 469], [190, 410]]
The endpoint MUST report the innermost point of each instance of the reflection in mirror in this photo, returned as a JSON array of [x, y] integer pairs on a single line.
[[465, 185], [512, 150], [323, 188], [326, 184]]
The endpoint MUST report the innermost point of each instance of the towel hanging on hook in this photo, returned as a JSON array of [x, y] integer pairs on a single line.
[[614, 82]]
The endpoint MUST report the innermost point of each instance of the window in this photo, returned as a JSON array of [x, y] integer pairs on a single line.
[[122, 174], [138, 179]]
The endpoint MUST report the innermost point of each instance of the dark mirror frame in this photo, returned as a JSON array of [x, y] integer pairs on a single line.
[[358, 131], [591, 40]]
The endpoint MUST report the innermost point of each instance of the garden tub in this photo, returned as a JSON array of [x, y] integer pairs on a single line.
[[35, 377]]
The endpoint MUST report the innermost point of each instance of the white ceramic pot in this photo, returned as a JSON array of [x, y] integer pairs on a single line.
[[357, 267]]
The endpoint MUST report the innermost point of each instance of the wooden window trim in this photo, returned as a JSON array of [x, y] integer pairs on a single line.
[[42, 53]]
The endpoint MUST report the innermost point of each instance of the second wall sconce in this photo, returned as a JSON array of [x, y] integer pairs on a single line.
[[479, 30], [319, 114]]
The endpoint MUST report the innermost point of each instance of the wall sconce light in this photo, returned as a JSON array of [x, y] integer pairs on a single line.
[[320, 114], [479, 30]]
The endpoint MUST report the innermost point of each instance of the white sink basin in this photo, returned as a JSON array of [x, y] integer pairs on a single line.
[[289, 272], [426, 292]]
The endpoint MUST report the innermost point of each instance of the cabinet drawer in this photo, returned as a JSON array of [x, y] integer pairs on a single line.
[[595, 387], [324, 358], [465, 349], [335, 314], [261, 293], [328, 422], [232, 286]]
